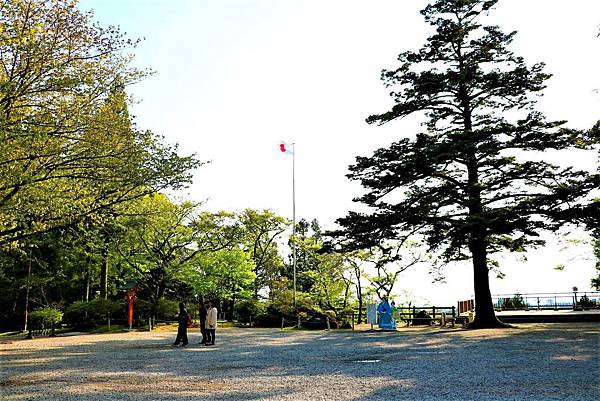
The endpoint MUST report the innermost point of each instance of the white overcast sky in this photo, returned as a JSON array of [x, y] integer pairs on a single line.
[[234, 77]]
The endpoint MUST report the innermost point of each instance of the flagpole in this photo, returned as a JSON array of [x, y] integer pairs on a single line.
[[294, 217]]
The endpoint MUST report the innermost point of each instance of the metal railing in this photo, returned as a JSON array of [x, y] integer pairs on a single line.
[[409, 313], [548, 301]]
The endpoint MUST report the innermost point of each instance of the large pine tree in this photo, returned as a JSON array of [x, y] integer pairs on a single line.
[[478, 180]]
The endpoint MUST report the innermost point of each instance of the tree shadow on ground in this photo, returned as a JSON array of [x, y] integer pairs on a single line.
[[536, 363]]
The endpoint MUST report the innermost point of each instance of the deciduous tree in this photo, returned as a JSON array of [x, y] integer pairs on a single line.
[[68, 148]]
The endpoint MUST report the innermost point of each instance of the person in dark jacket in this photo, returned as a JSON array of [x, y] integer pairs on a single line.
[[182, 319], [202, 316]]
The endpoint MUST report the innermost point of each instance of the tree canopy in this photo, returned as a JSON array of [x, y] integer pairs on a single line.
[[477, 180], [68, 147]]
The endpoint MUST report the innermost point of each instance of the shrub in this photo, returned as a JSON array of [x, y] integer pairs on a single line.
[[142, 308], [165, 310], [283, 304], [45, 316], [515, 302], [86, 314], [76, 314], [585, 302], [102, 309], [267, 320], [344, 317], [248, 310], [168, 308]]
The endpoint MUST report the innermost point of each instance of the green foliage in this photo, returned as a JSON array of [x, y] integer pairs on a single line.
[[68, 149], [158, 240], [102, 309], [515, 302], [472, 183], [321, 274], [596, 280], [46, 316], [283, 303], [247, 310], [97, 311], [585, 302], [71, 158], [76, 314], [222, 275], [344, 317], [165, 310], [260, 231]]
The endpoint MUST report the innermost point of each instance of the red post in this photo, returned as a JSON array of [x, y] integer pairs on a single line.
[[130, 296], [130, 312]]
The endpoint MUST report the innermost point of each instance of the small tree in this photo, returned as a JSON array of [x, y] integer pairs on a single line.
[[46, 317], [389, 264], [515, 302], [248, 309]]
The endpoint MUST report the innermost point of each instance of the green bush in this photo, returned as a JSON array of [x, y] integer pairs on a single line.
[[267, 320], [102, 309], [248, 310], [45, 316], [97, 311], [168, 308], [344, 317], [76, 314], [165, 310], [585, 302], [515, 302], [142, 309], [283, 304]]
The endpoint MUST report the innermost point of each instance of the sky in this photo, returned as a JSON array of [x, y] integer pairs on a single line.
[[235, 77]]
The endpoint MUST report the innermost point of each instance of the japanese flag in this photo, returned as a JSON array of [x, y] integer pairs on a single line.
[[287, 148]]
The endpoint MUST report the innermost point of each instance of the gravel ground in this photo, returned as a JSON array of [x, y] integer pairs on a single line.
[[531, 362]]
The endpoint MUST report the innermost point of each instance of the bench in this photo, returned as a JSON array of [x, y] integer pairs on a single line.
[[441, 315], [441, 320], [40, 332]]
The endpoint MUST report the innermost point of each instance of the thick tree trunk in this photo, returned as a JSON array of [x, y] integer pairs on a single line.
[[485, 317]]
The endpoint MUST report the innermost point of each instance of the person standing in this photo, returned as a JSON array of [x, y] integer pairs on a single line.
[[385, 315], [211, 323], [394, 309], [182, 320], [202, 315]]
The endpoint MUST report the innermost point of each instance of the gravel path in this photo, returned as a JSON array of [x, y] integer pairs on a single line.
[[532, 362]]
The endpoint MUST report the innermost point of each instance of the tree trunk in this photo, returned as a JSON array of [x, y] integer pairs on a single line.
[[360, 303], [359, 293], [485, 317], [232, 305], [346, 292], [104, 273], [87, 279]]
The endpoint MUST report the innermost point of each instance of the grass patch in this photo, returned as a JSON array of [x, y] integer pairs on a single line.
[[104, 328], [9, 333]]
